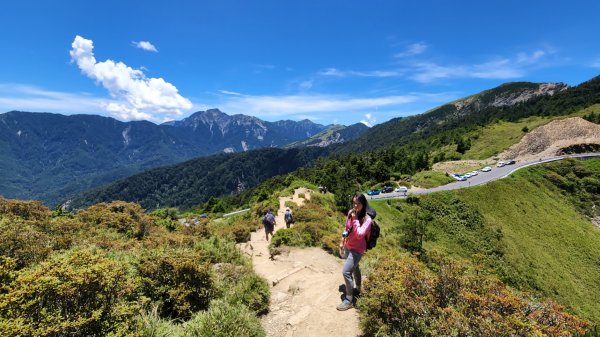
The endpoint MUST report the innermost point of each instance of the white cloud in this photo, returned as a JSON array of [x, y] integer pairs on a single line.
[[369, 120], [233, 93], [425, 72], [500, 68], [300, 106], [137, 97], [30, 98], [305, 85], [145, 45], [413, 49], [353, 73]]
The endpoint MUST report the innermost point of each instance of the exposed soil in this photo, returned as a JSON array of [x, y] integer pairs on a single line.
[[542, 142], [304, 286], [547, 140]]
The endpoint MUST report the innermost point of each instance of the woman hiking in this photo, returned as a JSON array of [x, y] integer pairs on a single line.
[[353, 246]]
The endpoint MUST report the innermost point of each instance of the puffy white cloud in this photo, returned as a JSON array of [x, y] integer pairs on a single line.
[[145, 45], [137, 97]]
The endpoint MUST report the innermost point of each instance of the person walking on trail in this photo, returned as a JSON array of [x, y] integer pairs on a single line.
[[353, 246], [289, 218], [269, 223]]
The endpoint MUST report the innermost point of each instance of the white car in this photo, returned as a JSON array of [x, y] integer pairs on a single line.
[[402, 189], [486, 169], [474, 173], [459, 177]]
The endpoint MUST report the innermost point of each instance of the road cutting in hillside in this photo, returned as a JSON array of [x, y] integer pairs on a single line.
[[304, 286]]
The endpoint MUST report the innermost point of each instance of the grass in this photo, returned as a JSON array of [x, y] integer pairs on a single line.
[[548, 248], [429, 179], [493, 139]]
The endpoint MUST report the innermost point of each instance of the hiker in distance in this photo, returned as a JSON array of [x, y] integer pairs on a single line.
[[353, 246], [269, 223], [289, 218]]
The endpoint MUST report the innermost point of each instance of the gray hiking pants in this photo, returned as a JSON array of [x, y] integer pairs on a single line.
[[351, 267]]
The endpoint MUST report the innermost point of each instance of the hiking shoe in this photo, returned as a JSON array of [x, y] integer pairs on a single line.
[[345, 305]]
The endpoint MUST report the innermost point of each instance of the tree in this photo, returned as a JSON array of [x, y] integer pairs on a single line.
[[414, 231]]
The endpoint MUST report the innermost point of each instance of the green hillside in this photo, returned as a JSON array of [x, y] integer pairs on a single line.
[[532, 230], [193, 182]]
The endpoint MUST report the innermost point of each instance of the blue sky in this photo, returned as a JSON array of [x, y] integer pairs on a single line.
[[328, 61]]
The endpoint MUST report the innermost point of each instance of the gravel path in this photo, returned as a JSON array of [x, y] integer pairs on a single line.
[[304, 287]]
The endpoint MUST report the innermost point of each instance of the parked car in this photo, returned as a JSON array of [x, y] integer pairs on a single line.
[[486, 169], [510, 162], [373, 192], [459, 177], [401, 189], [500, 164], [474, 173], [387, 189]]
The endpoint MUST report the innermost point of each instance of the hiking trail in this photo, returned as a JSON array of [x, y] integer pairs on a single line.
[[304, 286]]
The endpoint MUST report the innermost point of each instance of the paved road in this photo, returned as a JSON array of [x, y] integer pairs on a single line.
[[485, 177]]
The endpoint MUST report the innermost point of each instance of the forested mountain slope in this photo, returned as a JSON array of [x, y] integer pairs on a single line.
[[510, 102], [193, 182], [51, 156]]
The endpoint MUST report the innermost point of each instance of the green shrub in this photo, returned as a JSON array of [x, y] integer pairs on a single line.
[[126, 218], [176, 280], [235, 230], [23, 242], [251, 291], [28, 210], [287, 237], [79, 293], [150, 324], [7, 272], [220, 250], [224, 320], [407, 299]]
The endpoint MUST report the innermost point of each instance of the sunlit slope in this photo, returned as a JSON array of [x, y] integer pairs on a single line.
[[533, 234]]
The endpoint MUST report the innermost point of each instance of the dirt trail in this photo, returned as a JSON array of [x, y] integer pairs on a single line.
[[304, 286]]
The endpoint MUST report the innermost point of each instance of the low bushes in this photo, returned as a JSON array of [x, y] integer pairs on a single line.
[[177, 280], [407, 299], [125, 218], [80, 293], [224, 320]]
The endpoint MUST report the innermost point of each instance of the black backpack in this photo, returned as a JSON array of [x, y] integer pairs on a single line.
[[265, 220], [375, 229]]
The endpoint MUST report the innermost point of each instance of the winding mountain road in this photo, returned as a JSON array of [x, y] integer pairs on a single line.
[[485, 177]]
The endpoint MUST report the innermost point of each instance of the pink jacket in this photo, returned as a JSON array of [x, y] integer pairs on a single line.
[[358, 232]]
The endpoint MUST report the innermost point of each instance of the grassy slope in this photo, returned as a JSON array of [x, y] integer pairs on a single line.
[[549, 247], [430, 179], [495, 138]]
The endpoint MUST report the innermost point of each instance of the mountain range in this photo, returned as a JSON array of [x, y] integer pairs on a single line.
[[49, 157], [422, 134]]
